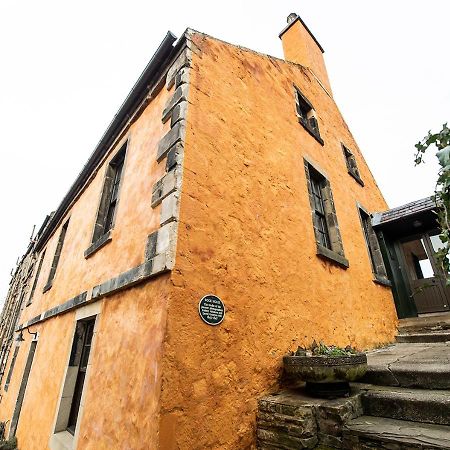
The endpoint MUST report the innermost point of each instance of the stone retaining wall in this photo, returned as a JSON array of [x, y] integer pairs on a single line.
[[290, 420]]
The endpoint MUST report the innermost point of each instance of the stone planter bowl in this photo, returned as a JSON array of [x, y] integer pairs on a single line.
[[325, 369], [325, 376]]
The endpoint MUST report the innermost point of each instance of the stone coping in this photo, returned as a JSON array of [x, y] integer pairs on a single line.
[[161, 263]]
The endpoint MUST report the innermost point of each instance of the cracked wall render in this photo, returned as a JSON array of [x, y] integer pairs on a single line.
[[246, 234]]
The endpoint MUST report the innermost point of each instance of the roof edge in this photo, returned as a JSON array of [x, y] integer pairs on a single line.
[[410, 209], [149, 75]]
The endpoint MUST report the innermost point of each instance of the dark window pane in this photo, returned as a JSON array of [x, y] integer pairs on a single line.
[[351, 162], [320, 222], [306, 114], [110, 195], [58, 251], [83, 340], [11, 368], [77, 346], [36, 278]]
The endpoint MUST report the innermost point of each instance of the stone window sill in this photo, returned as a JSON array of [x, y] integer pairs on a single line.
[[334, 257], [62, 440], [98, 244], [311, 132], [47, 287], [358, 179], [381, 280]]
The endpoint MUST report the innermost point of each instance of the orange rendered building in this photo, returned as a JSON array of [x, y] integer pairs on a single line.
[[225, 172]]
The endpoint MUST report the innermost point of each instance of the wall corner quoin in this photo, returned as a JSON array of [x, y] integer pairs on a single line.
[[162, 243]]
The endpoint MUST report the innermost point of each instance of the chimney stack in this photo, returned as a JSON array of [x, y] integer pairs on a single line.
[[301, 47]]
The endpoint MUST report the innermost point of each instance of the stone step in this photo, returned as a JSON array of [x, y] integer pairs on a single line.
[[425, 323], [425, 366], [367, 432], [429, 377], [428, 337], [417, 405]]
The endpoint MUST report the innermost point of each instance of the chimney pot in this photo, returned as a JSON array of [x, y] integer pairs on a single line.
[[291, 17]]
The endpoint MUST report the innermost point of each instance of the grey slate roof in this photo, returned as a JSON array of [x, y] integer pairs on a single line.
[[410, 209]]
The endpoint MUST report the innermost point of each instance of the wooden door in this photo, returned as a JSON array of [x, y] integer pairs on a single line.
[[434, 245], [424, 276]]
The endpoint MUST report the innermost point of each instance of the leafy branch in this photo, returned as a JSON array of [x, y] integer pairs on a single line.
[[440, 141]]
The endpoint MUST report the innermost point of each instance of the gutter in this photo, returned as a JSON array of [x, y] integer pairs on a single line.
[[156, 66]]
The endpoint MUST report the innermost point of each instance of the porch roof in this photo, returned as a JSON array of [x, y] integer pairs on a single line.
[[414, 217], [404, 211]]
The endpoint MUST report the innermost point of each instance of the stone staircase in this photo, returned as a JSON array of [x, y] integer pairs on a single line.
[[406, 398], [425, 329], [403, 402]]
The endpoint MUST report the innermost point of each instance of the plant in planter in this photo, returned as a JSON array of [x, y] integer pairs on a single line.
[[327, 370]]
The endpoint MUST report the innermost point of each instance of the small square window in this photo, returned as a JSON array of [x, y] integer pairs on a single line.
[[306, 115], [352, 167], [57, 256]]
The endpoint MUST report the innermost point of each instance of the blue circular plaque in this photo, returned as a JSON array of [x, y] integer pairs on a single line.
[[211, 309]]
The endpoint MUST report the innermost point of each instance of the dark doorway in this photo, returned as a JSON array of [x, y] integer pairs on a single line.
[[426, 278]]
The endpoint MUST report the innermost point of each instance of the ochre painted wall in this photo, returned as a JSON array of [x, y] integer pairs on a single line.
[[122, 394], [122, 398], [124, 381], [135, 219], [246, 235], [44, 384]]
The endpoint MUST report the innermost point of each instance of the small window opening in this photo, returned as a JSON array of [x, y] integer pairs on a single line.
[[36, 279], [57, 256], [110, 196], [11, 368], [79, 359], [373, 246], [306, 115], [352, 167], [320, 223]]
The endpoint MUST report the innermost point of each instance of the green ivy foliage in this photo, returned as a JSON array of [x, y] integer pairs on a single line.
[[441, 142]]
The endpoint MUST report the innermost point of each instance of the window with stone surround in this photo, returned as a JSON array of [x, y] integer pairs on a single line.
[[324, 219], [352, 167], [108, 202], [307, 115], [57, 256], [71, 405], [11, 368], [79, 358], [373, 247], [36, 279]]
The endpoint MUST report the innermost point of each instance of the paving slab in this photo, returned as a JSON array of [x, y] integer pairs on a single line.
[[425, 366]]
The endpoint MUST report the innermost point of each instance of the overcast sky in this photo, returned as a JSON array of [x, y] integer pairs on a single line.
[[67, 66]]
